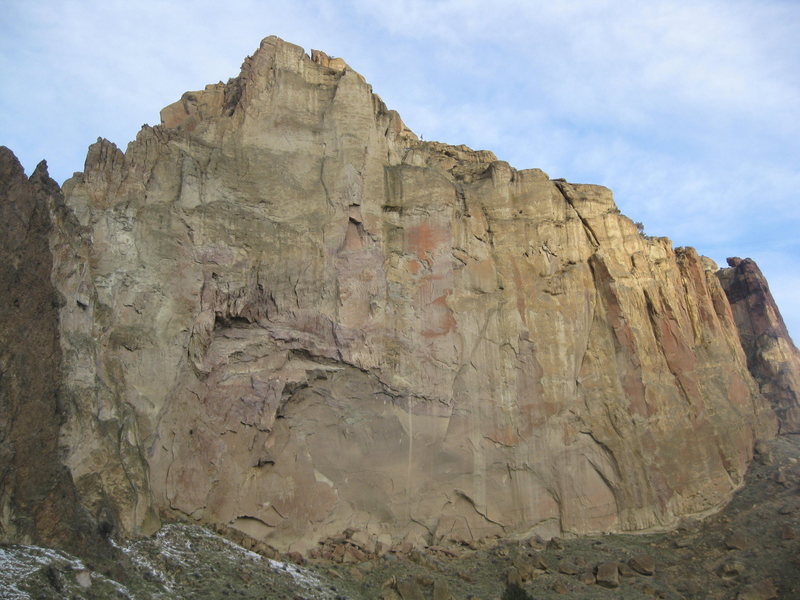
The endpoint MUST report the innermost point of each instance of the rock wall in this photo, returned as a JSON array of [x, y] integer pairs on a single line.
[[772, 357], [38, 501], [285, 314]]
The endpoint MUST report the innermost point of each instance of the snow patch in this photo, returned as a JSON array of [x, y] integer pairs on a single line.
[[20, 562], [301, 576]]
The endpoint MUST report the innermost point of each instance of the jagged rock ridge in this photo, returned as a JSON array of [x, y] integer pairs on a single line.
[[772, 357], [285, 314], [38, 502]]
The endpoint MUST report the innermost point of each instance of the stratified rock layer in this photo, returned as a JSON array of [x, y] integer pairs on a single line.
[[286, 314], [772, 357]]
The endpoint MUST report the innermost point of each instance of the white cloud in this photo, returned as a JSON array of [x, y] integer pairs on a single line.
[[688, 111]]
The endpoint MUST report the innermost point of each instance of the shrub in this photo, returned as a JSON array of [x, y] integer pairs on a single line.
[[514, 591]]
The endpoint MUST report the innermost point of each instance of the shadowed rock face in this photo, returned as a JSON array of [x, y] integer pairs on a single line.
[[772, 357], [285, 314], [38, 502]]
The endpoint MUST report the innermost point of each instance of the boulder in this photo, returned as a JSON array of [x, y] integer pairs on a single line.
[[644, 564], [607, 574]]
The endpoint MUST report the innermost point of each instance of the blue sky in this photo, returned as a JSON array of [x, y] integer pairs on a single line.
[[688, 111]]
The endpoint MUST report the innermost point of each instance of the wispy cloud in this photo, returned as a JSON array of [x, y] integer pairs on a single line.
[[688, 111]]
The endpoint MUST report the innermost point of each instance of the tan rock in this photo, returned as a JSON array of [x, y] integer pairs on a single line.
[[737, 541], [625, 570], [731, 568], [607, 575], [643, 564], [567, 568], [284, 313], [363, 540], [555, 544], [539, 561], [84, 578], [524, 567], [39, 501]]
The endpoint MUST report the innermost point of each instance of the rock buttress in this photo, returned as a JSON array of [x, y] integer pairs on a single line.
[[772, 357], [286, 314], [38, 501]]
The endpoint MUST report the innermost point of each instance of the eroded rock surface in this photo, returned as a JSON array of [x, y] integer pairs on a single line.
[[690, 562], [772, 357], [285, 314], [38, 503]]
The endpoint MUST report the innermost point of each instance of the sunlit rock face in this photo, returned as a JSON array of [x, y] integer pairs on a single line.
[[285, 314], [772, 357]]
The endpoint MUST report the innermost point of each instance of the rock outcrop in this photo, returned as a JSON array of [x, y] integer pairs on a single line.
[[38, 501], [284, 313], [772, 357]]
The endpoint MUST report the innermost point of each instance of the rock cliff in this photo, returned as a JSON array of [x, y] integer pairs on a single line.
[[772, 357], [282, 313], [38, 501]]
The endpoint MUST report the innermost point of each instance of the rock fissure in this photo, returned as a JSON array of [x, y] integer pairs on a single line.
[[590, 234], [480, 512]]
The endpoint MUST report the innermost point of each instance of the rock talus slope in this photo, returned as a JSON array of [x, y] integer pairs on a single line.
[[286, 314]]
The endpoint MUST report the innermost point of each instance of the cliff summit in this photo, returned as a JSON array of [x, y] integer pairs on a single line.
[[282, 314]]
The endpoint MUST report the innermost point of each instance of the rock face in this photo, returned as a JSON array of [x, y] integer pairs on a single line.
[[284, 313], [38, 502], [772, 357]]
